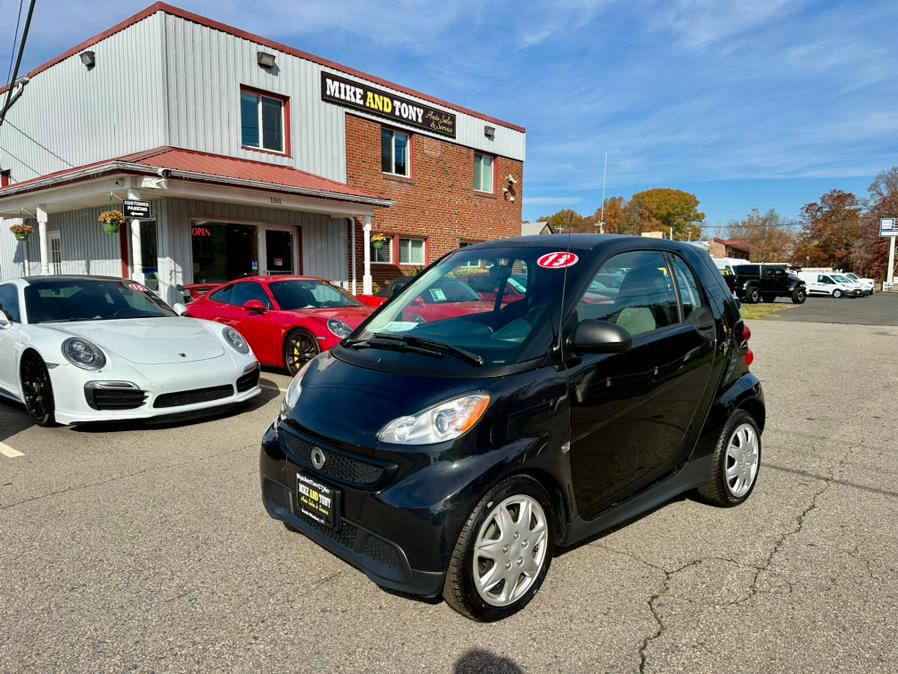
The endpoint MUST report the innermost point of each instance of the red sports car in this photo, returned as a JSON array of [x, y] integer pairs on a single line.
[[287, 320]]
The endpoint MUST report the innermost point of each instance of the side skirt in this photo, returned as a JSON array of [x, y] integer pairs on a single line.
[[688, 477]]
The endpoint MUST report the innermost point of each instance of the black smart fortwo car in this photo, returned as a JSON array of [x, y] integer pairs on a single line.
[[457, 437]]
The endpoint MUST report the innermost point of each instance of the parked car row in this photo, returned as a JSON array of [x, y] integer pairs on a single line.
[[753, 283]]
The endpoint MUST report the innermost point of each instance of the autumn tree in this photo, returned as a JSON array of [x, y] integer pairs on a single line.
[[772, 240], [830, 229], [615, 215], [663, 209], [565, 220], [870, 253]]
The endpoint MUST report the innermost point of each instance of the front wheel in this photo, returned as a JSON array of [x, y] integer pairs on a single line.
[[799, 296], [753, 295], [503, 552], [37, 390], [735, 462], [837, 294], [300, 347]]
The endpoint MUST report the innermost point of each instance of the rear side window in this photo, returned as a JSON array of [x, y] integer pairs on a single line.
[[223, 295], [690, 294], [747, 269], [644, 301], [9, 302]]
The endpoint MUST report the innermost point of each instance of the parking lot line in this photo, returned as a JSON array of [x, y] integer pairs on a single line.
[[9, 452]]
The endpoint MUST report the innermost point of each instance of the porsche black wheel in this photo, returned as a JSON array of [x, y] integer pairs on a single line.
[[37, 391], [299, 348]]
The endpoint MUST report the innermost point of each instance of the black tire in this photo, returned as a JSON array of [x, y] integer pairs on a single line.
[[716, 490], [37, 390], [459, 590], [753, 295], [300, 346], [799, 295], [837, 294]]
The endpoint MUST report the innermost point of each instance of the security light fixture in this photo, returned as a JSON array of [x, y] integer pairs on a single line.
[[489, 132], [88, 58], [265, 59]]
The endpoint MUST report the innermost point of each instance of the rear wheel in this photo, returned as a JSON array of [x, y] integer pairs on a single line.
[[799, 295], [299, 348], [753, 295], [503, 552], [736, 462], [37, 390], [837, 294]]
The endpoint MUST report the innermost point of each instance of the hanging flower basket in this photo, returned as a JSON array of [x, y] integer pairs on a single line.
[[22, 232], [378, 241], [111, 221]]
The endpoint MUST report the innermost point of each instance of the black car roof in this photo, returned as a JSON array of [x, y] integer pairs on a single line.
[[74, 277], [581, 241]]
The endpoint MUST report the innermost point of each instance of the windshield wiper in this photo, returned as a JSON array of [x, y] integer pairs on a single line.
[[388, 342], [473, 358]]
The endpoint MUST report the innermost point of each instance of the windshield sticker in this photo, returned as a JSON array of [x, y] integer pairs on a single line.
[[400, 326], [557, 260], [437, 294], [136, 286]]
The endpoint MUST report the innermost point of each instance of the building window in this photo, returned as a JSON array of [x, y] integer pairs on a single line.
[[262, 121], [411, 251], [394, 152], [384, 254], [55, 252], [483, 173]]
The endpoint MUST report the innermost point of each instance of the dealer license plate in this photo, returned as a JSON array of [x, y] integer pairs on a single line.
[[316, 501]]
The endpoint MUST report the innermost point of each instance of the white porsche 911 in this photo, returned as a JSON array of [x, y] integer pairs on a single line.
[[77, 349]]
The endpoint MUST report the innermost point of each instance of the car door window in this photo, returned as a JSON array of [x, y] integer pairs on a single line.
[[223, 295], [242, 293], [690, 294], [645, 299], [9, 302]]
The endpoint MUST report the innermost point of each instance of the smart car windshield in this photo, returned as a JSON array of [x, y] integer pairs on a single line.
[[490, 306], [310, 294], [75, 299]]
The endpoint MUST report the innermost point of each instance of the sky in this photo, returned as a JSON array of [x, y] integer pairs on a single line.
[[755, 104]]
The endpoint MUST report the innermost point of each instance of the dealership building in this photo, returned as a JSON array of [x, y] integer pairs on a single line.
[[239, 156]]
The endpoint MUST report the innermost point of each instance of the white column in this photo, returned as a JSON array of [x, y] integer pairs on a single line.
[[890, 270], [366, 277], [41, 213], [352, 248], [136, 253]]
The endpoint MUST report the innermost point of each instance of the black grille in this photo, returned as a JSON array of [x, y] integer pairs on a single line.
[[336, 465], [379, 551], [199, 395], [114, 398], [248, 381]]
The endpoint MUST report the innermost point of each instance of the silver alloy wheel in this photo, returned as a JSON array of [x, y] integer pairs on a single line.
[[510, 550], [742, 460]]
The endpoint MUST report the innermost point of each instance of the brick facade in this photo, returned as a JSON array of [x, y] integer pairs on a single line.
[[437, 202]]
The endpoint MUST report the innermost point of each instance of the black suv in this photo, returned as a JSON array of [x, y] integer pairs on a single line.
[[753, 283], [452, 456]]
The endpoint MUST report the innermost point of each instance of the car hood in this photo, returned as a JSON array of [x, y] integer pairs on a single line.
[[149, 341], [352, 316]]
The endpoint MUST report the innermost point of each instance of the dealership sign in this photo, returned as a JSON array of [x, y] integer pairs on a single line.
[[385, 104], [888, 227], [136, 210]]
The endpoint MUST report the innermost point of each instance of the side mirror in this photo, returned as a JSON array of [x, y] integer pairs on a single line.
[[595, 336], [179, 308], [256, 306], [4, 320]]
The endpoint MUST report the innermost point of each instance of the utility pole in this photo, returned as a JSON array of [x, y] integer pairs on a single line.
[[601, 224], [9, 99]]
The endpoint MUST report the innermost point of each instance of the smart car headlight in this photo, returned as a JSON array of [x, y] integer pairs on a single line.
[[339, 328], [445, 421], [235, 339], [83, 354], [293, 391]]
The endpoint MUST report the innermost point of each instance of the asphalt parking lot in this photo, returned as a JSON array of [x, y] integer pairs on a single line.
[[147, 549], [876, 309]]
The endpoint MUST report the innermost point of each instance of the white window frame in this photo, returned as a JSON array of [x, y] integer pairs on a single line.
[[492, 184], [54, 236], [423, 250], [388, 244], [408, 152], [261, 145]]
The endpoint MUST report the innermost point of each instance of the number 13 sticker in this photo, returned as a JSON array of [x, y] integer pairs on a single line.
[[557, 260]]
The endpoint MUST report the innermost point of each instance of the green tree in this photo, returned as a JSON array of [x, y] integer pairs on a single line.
[[766, 232], [665, 208]]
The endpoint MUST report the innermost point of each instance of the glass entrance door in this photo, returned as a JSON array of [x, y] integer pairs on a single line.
[[223, 251], [279, 252]]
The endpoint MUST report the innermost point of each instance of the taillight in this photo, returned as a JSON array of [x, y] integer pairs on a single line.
[[749, 357], [746, 332], [746, 335]]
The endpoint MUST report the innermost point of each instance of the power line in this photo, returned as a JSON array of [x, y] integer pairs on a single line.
[[15, 73], [31, 168], [41, 145], [15, 38]]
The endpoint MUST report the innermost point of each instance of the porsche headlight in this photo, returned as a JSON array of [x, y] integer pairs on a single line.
[[445, 421], [235, 339], [293, 391], [83, 354], [339, 328]]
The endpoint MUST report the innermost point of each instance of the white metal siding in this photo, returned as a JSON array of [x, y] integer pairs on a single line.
[[90, 115], [86, 248]]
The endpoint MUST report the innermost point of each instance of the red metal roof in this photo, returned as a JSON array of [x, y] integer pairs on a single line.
[[201, 165], [236, 32]]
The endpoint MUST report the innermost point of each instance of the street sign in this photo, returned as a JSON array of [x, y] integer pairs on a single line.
[[136, 210], [888, 227]]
